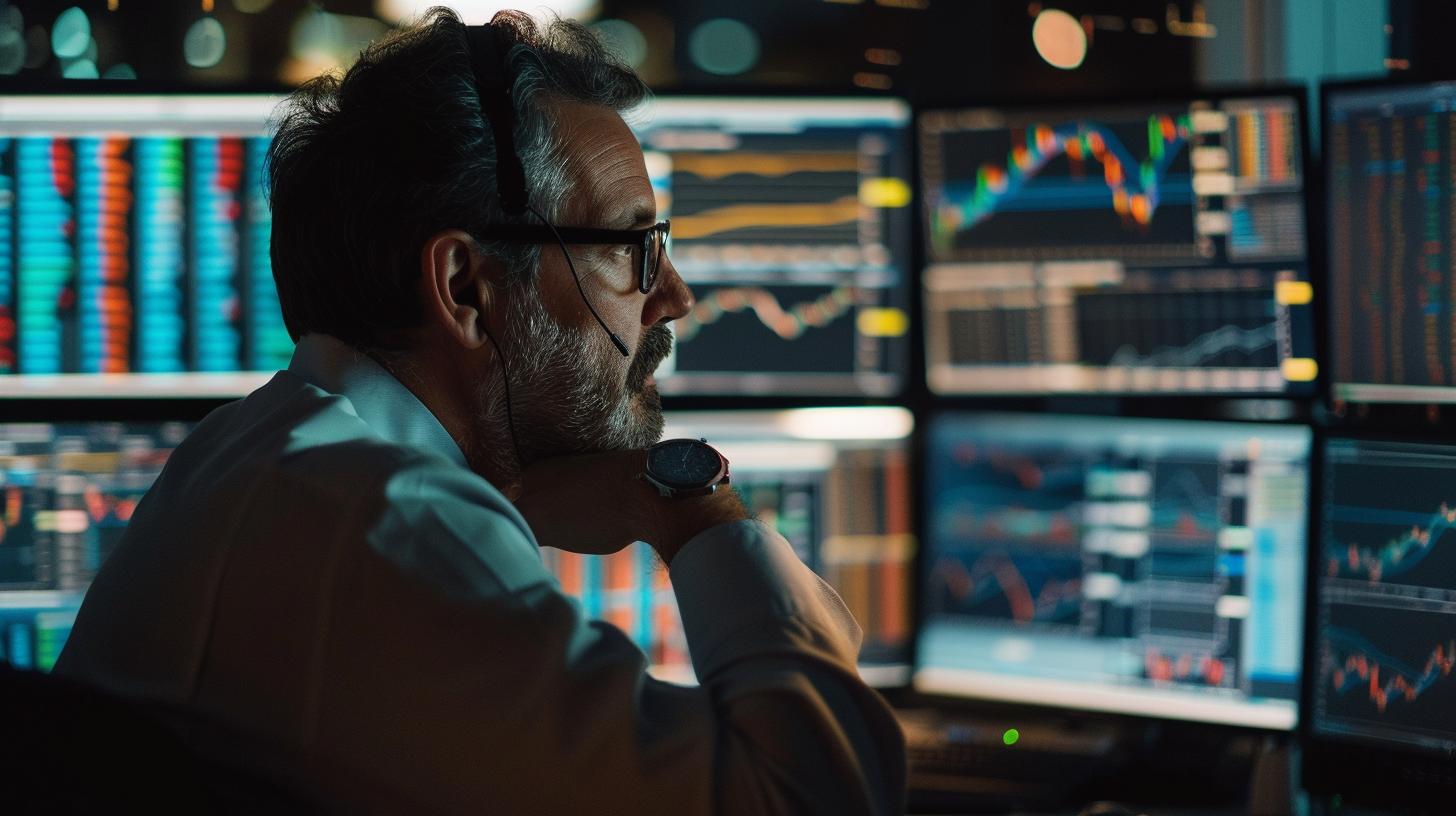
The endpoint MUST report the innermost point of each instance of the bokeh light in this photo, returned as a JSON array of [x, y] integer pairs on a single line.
[[80, 69], [205, 43], [723, 46], [71, 34], [1059, 39]]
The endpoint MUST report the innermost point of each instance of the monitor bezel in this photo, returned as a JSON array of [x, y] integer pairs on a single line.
[[1358, 770], [1048, 709], [1299, 94]]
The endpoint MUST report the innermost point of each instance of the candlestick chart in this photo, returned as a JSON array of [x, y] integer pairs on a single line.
[[1391, 668], [1073, 183], [1391, 523], [1387, 594]]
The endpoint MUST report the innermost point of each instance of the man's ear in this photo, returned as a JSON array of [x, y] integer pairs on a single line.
[[457, 286]]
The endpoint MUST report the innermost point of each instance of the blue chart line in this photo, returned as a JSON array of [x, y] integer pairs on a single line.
[[1397, 555], [1206, 347], [1132, 188], [1384, 678]]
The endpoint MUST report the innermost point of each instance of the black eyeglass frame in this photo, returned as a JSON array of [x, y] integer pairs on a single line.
[[548, 234]]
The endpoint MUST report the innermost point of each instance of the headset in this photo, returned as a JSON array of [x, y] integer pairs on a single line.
[[491, 67]]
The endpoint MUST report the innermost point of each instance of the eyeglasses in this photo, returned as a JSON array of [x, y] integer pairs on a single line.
[[650, 242]]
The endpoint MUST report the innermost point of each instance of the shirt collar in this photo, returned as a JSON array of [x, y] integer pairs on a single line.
[[380, 400]]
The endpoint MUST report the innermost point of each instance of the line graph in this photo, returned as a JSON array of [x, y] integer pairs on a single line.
[[1399, 554], [1132, 189], [1178, 326], [1385, 680], [729, 217], [716, 166], [787, 324], [1025, 589], [1212, 345]]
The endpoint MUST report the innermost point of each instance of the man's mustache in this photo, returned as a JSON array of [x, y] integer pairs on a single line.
[[656, 345]]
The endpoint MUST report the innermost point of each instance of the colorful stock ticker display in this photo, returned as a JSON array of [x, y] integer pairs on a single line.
[[66, 495], [1387, 594], [1140, 566], [1389, 173], [1120, 249], [135, 238]]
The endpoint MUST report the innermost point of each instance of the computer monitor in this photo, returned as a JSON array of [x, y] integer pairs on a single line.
[[1144, 567], [834, 481], [134, 236], [1382, 690], [66, 495], [1129, 248], [791, 223], [1389, 154]]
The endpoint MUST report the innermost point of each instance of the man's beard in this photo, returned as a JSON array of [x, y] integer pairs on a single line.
[[564, 395]]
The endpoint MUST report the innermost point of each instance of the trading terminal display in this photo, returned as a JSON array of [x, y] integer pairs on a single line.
[[66, 495], [1150, 567], [1389, 159], [1386, 596], [1130, 249], [843, 504], [791, 223], [134, 236]]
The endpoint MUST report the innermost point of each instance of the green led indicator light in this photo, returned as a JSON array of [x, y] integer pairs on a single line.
[[1011, 736]]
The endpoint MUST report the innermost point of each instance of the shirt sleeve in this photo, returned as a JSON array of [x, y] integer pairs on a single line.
[[497, 693]]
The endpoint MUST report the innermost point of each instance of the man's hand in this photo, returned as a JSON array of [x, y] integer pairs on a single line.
[[598, 503]]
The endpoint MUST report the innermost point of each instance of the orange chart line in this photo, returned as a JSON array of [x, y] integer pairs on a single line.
[[719, 165], [737, 216], [788, 324]]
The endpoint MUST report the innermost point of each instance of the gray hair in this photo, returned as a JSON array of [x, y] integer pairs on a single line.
[[364, 168]]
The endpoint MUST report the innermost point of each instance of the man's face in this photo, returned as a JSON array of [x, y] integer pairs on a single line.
[[572, 391]]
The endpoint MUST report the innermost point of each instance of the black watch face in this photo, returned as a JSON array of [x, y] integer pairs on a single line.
[[683, 463]]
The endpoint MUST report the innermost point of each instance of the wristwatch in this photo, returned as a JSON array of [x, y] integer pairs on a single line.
[[679, 468]]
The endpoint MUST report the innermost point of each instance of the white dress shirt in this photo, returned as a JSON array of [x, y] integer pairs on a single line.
[[317, 566]]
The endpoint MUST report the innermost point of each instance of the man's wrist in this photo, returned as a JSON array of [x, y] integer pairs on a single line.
[[684, 518]]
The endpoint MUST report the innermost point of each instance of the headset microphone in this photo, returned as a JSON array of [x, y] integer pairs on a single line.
[[492, 81]]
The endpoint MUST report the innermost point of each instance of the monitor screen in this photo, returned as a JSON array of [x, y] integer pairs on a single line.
[[834, 481], [1131, 248], [791, 223], [134, 236], [1389, 156], [66, 495], [1146, 567], [1386, 596]]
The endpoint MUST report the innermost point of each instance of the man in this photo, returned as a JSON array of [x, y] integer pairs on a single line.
[[346, 562]]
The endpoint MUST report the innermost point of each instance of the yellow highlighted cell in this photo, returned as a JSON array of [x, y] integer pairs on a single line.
[[1299, 369], [883, 322], [884, 192], [1293, 293]]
